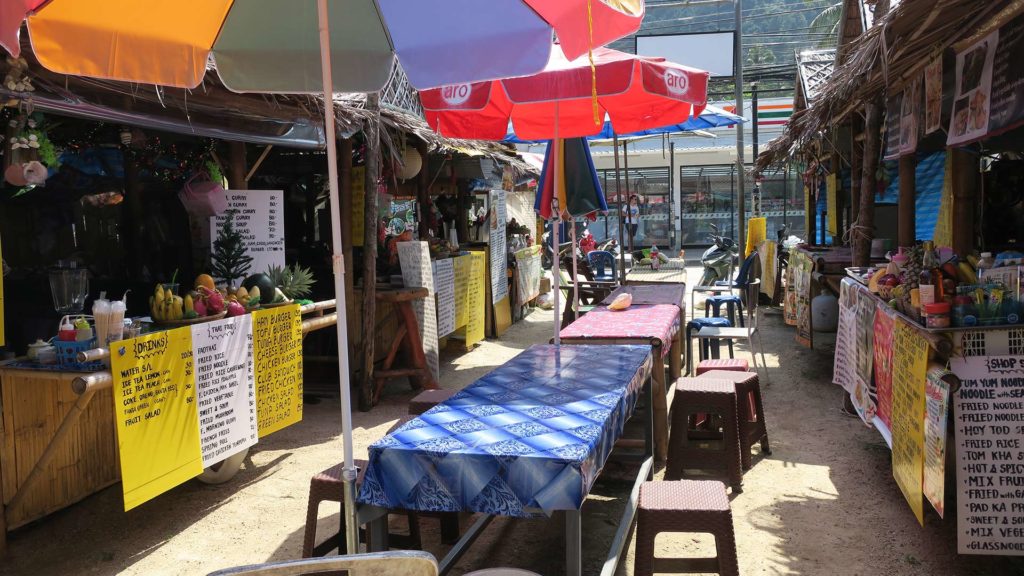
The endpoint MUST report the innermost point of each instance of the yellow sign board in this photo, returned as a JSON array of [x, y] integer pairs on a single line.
[[943, 235], [157, 420], [358, 204], [463, 266], [277, 357], [476, 317], [757, 232], [909, 367]]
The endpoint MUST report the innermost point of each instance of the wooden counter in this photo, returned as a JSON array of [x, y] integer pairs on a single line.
[[34, 406]]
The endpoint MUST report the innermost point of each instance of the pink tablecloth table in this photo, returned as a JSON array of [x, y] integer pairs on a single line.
[[655, 325]]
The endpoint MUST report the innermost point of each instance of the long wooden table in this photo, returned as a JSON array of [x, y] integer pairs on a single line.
[[656, 325]]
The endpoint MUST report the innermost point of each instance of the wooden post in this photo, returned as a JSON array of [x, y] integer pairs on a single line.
[[345, 191], [423, 191], [965, 198], [462, 206], [133, 218], [865, 230], [237, 166], [856, 166], [372, 133], [906, 208]]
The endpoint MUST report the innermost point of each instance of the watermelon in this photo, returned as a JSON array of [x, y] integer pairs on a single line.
[[265, 284]]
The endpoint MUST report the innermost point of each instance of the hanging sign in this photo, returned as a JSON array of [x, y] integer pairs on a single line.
[[462, 266], [884, 326], [157, 420], [277, 353], [528, 272], [989, 410], [936, 394], [933, 96], [223, 369], [498, 252], [259, 218], [973, 91], [802, 280], [910, 361], [417, 272], [832, 203], [444, 288], [476, 294]]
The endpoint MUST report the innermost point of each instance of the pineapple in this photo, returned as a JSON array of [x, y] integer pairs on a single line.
[[294, 281]]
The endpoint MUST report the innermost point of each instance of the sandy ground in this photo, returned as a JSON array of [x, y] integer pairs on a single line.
[[823, 503]]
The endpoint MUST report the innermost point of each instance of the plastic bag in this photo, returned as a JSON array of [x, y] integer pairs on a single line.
[[203, 197]]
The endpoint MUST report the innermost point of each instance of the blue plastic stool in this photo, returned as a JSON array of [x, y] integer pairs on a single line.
[[732, 302], [708, 346]]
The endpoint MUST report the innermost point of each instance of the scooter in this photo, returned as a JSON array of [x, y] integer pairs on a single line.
[[719, 259]]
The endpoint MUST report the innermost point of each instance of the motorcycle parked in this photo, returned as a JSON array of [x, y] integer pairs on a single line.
[[718, 260]]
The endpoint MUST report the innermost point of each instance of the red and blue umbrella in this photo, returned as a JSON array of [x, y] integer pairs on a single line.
[[568, 166]]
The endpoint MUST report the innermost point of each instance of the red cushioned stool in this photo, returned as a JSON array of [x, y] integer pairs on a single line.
[[752, 424], [717, 450], [734, 364], [685, 506]]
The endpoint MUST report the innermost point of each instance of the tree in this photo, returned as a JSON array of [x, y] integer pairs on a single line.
[[827, 22], [230, 259]]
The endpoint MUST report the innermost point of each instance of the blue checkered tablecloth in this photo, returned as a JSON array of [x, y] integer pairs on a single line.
[[528, 438]]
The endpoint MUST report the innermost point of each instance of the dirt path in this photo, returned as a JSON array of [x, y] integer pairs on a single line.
[[823, 503]]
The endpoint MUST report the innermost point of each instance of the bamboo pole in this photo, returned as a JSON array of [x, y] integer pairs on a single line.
[[65, 428], [423, 192], [237, 167], [372, 132], [965, 199]]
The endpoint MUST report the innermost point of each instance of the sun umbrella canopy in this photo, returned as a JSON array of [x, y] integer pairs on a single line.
[[635, 92], [569, 172], [711, 117], [273, 45]]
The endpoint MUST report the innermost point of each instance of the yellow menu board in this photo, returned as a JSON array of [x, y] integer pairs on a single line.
[[475, 316], [154, 399], [277, 358], [909, 366], [463, 266], [832, 201]]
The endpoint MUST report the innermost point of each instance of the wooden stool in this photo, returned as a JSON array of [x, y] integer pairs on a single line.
[[428, 399], [690, 449], [752, 424], [685, 506], [408, 336], [733, 364]]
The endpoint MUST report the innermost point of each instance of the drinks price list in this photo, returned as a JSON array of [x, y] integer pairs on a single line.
[[989, 414]]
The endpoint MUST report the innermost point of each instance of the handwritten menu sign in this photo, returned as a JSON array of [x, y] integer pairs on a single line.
[[936, 401], [846, 335], [155, 403], [802, 281], [885, 321], [475, 316], [528, 270], [259, 217], [418, 273], [499, 278], [224, 387], [909, 363], [462, 266], [990, 454], [277, 353], [444, 287]]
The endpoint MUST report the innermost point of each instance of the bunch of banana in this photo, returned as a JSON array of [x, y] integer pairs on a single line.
[[164, 305]]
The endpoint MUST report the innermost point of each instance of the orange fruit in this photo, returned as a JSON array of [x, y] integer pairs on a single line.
[[205, 280]]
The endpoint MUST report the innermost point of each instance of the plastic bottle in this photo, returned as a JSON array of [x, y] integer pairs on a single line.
[[986, 262], [67, 331]]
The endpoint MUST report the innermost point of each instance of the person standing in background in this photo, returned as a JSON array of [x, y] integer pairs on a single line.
[[631, 216]]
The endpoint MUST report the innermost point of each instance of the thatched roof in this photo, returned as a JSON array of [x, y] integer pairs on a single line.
[[884, 59], [213, 111]]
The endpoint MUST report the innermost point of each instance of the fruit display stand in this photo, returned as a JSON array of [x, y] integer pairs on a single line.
[[58, 442]]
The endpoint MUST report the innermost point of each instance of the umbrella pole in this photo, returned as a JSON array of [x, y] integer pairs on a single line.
[[349, 472], [618, 196], [575, 274], [555, 224]]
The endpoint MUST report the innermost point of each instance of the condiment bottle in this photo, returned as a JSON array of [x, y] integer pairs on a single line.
[[986, 262], [67, 331]]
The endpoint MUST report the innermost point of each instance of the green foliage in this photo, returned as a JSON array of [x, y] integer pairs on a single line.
[[230, 260], [213, 170]]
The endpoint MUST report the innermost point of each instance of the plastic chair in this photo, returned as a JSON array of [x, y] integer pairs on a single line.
[[602, 263], [747, 333], [726, 286], [403, 563]]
